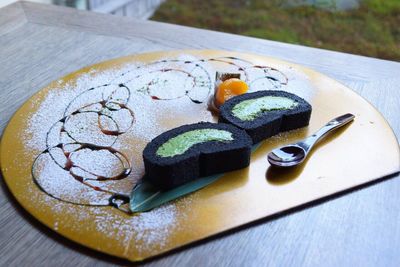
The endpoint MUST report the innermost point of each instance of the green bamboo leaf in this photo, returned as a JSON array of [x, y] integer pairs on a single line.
[[146, 196]]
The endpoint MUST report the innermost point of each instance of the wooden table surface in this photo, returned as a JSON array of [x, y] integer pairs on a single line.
[[40, 43]]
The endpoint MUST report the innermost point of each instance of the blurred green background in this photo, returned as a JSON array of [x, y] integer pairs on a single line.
[[365, 27]]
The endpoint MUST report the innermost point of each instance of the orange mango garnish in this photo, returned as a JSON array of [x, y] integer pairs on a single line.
[[228, 89]]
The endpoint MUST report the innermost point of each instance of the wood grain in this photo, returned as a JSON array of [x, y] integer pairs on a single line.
[[39, 43], [12, 17]]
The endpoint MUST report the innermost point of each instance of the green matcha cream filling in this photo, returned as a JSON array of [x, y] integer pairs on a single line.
[[181, 143], [250, 109]]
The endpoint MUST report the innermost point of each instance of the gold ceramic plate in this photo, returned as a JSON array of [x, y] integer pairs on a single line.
[[147, 94]]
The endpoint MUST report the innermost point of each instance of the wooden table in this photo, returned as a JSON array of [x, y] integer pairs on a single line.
[[40, 43]]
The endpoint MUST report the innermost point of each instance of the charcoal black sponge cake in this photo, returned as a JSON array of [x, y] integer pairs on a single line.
[[191, 151], [265, 113]]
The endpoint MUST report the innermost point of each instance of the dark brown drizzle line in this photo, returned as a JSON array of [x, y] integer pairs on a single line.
[[116, 200], [120, 200]]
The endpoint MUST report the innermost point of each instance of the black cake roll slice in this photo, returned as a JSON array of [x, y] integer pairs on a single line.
[[263, 114], [191, 151]]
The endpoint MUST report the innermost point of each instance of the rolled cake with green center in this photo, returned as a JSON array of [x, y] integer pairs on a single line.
[[191, 151], [266, 113]]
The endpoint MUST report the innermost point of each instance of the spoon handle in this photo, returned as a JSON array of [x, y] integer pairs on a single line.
[[327, 128]]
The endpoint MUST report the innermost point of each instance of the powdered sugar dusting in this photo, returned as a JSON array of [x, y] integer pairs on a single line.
[[61, 185], [144, 231], [89, 133], [141, 232]]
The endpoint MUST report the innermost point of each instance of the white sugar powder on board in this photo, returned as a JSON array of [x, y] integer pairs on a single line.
[[142, 232], [150, 229], [145, 231], [52, 108]]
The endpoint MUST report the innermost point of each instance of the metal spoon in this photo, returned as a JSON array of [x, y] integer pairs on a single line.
[[294, 154]]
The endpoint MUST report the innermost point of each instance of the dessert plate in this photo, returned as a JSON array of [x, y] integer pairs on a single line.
[[77, 144]]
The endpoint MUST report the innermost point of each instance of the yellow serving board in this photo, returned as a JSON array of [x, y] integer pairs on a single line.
[[162, 95]]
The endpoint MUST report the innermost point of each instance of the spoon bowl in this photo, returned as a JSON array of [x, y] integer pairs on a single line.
[[287, 156]]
